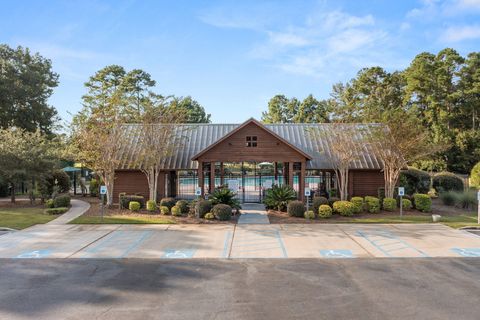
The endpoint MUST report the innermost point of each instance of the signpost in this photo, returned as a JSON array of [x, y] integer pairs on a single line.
[[103, 192], [307, 195], [401, 193]]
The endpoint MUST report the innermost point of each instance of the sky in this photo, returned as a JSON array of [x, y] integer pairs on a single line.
[[233, 56]]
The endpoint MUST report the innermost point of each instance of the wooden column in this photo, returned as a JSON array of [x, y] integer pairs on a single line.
[[285, 172], [275, 171], [200, 177], [212, 178], [290, 174], [301, 180], [222, 172]]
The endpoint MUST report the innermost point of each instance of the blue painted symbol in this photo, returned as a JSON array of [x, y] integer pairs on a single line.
[[35, 254], [467, 252], [179, 253], [337, 254]]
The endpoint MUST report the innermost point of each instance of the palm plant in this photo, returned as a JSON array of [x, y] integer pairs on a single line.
[[279, 196], [223, 195]]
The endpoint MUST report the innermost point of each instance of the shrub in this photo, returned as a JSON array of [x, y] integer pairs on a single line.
[[295, 208], [176, 211], [466, 199], [3, 188], [203, 207], [151, 205], [94, 187], [46, 185], [446, 181], [389, 204], [324, 211], [223, 195], [62, 201], [60, 210], [183, 205], [317, 202], [358, 203], [309, 214], [134, 206], [448, 198], [333, 193], [167, 202], [406, 204], [372, 204], [475, 176], [164, 210], [209, 216], [332, 200], [415, 181], [344, 208], [125, 200], [422, 202], [222, 212], [278, 197], [49, 203]]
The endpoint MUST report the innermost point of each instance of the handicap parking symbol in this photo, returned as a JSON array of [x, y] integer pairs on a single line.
[[467, 252], [337, 254], [36, 254], [179, 253]]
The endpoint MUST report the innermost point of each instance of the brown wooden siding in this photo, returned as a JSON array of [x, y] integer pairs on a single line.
[[365, 182], [135, 182]]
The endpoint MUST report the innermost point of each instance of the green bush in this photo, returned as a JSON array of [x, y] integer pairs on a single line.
[[223, 195], [222, 212], [324, 211], [317, 202], [209, 216], [446, 181], [333, 193], [372, 204], [46, 185], [125, 200], [422, 202], [358, 203], [344, 208], [60, 210], [278, 197], [406, 204], [467, 199], [164, 210], [332, 200], [176, 211], [94, 188], [49, 204], [295, 208], [168, 202], [415, 181], [203, 207], [309, 215], [389, 204], [3, 187], [134, 206], [475, 176], [448, 198], [183, 205], [151, 205], [62, 201]]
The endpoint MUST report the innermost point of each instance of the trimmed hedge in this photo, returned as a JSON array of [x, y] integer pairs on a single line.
[[164, 210], [406, 204], [344, 208], [415, 181], [151, 205], [309, 215], [60, 210], [295, 208], [62, 201], [209, 216], [317, 202], [183, 205], [222, 212], [475, 176], [168, 202], [389, 204], [358, 203], [446, 181], [176, 211], [134, 206], [125, 200], [372, 204], [324, 211], [49, 204], [422, 202], [203, 207], [332, 200]]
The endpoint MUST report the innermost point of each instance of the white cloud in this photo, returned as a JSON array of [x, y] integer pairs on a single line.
[[461, 33]]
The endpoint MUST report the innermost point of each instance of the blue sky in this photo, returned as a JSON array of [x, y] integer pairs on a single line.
[[233, 56]]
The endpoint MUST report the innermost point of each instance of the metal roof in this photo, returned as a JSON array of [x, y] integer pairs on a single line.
[[197, 137]]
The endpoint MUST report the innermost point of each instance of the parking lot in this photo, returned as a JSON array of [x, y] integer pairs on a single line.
[[240, 241]]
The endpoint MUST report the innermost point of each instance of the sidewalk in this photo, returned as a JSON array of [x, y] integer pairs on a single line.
[[253, 213], [78, 208]]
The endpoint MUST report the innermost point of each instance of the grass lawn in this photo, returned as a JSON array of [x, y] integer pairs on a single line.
[[456, 221], [121, 220], [21, 218]]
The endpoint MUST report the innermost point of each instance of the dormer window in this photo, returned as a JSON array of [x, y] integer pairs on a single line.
[[251, 141]]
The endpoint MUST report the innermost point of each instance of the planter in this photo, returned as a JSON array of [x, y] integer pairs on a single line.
[[436, 217]]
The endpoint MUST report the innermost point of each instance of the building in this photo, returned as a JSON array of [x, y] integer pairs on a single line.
[[249, 157]]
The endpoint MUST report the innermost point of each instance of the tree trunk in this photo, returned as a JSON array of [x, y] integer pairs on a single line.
[[12, 192]]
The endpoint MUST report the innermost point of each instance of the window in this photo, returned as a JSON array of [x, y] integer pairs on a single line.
[[251, 141]]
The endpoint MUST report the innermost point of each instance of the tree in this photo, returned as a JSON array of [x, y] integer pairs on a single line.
[[193, 111], [284, 110], [26, 83]]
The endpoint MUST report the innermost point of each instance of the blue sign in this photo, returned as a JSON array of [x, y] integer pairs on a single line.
[[401, 191], [103, 189], [467, 252], [336, 254], [35, 254], [179, 253]]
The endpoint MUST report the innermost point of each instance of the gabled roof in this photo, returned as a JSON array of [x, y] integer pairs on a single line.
[[243, 125]]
